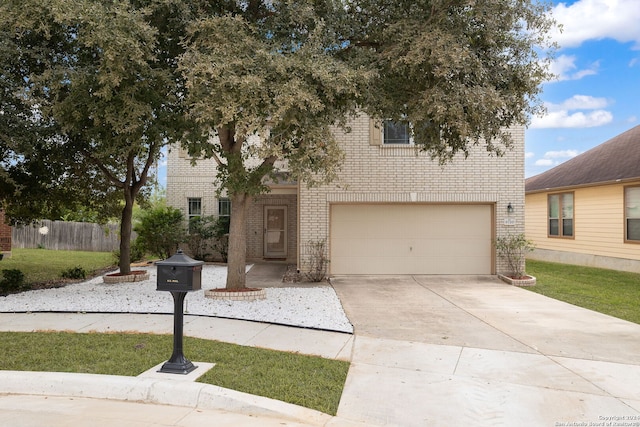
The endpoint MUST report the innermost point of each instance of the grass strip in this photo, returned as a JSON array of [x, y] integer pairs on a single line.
[[612, 292], [45, 265], [309, 381]]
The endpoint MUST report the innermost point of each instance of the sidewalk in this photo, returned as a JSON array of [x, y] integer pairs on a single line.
[[52, 399]]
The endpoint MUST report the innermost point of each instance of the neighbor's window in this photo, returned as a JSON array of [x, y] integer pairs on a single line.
[[632, 213], [396, 133], [224, 207], [561, 215], [195, 207]]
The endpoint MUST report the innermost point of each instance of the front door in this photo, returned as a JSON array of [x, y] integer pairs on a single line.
[[275, 231]]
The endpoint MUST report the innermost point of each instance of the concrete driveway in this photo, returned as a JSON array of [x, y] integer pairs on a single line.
[[464, 350]]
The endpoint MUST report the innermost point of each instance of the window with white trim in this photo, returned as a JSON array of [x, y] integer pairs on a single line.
[[194, 207], [396, 133], [632, 214], [224, 206]]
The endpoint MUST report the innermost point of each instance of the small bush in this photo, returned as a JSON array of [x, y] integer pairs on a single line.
[[317, 262], [12, 280], [513, 248], [161, 230], [201, 231], [74, 273]]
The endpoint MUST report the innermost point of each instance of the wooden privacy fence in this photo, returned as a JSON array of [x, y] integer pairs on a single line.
[[66, 235]]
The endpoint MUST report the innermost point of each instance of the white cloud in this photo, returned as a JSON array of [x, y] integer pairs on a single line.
[[564, 68], [561, 116], [562, 119], [529, 154], [544, 162], [579, 102], [560, 154], [554, 158], [598, 19]]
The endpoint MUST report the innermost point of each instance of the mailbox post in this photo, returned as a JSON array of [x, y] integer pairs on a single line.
[[179, 274]]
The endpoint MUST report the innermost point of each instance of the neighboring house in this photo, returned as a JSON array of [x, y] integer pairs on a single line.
[[586, 211], [5, 236], [393, 209]]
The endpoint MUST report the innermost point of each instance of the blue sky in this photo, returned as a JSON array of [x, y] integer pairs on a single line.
[[597, 94]]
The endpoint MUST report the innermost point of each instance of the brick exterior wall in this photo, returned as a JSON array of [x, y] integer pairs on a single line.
[[370, 174], [388, 174], [185, 181], [5, 236]]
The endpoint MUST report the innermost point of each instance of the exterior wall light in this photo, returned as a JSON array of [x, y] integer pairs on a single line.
[[510, 208]]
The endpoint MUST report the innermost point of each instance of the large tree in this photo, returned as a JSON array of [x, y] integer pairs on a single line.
[[102, 76], [460, 71]]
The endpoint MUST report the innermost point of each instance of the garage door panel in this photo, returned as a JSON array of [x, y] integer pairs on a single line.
[[411, 239]]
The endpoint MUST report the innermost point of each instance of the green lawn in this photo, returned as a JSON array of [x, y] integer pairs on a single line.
[[308, 381], [611, 292], [46, 266]]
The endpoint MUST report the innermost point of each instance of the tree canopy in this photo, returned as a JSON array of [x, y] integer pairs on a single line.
[[460, 71], [116, 80], [94, 95]]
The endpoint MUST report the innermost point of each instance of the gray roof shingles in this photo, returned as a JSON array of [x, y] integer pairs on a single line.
[[616, 159]]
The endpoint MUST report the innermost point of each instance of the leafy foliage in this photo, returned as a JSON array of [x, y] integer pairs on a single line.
[[74, 273], [99, 82], [12, 281], [201, 231], [514, 249], [161, 230]]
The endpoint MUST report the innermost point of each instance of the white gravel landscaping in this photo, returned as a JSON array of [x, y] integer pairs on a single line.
[[315, 307]]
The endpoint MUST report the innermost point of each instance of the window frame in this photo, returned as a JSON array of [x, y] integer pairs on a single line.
[[560, 217], [409, 138], [625, 213], [221, 202], [191, 215]]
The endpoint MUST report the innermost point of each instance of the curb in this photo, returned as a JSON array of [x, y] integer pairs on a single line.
[[163, 392]]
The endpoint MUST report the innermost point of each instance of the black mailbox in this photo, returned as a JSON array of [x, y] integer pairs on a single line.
[[179, 273]]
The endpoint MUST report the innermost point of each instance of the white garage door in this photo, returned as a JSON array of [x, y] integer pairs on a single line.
[[411, 239]]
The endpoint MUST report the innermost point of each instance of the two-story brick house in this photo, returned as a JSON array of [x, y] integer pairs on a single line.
[[393, 209]]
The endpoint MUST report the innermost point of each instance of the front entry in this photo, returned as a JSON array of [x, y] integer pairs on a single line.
[[275, 231]]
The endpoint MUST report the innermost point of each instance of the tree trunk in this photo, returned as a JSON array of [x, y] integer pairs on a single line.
[[237, 256], [126, 221]]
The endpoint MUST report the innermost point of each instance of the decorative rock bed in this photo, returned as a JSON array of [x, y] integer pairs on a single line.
[[134, 276], [248, 294]]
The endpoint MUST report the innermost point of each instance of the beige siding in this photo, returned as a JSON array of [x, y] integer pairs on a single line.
[[599, 224]]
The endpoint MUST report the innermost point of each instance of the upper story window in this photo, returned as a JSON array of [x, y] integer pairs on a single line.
[[195, 207], [560, 215], [224, 206], [396, 133], [632, 214]]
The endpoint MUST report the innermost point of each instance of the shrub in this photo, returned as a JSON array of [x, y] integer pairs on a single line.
[[201, 231], [317, 262], [221, 235], [74, 273], [514, 248], [161, 230], [12, 280]]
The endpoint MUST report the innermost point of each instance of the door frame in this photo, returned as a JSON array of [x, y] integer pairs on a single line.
[[285, 252]]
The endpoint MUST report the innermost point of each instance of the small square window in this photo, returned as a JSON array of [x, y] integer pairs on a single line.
[[396, 133]]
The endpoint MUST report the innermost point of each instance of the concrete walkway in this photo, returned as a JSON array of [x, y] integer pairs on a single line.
[[427, 351]]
